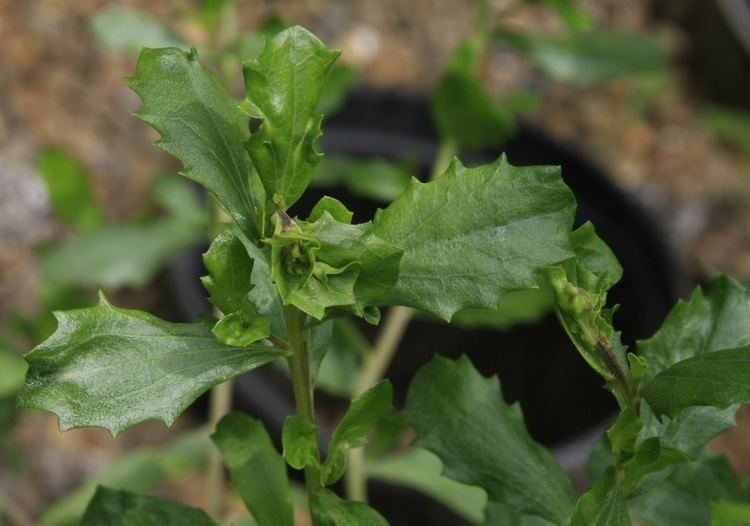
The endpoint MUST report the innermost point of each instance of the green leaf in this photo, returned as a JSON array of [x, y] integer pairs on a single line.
[[421, 470], [161, 367], [497, 514], [229, 274], [69, 190], [575, 19], [126, 29], [328, 509], [476, 233], [461, 108], [462, 418], [624, 431], [283, 87], [602, 505], [339, 372], [589, 58], [377, 179], [684, 498], [338, 82], [331, 265], [139, 471], [203, 127], [516, 308], [256, 469], [121, 256], [719, 379], [299, 438], [703, 324], [13, 369], [239, 329], [724, 513], [351, 432], [650, 457], [334, 207], [122, 508]]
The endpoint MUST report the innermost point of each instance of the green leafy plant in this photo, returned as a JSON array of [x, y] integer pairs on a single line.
[[467, 239]]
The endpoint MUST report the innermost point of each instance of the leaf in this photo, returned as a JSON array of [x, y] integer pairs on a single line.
[[724, 513], [299, 437], [335, 88], [334, 207], [115, 257], [139, 471], [421, 470], [161, 367], [351, 432], [239, 329], [575, 19], [476, 233], [331, 265], [497, 514], [283, 87], [328, 509], [461, 108], [203, 127], [602, 505], [704, 323], [126, 29], [373, 178], [624, 431], [588, 58], [719, 379], [122, 508], [339, 372], [462, 418], [229, 274], [256, 469], [13, 369], [522, 307], [684, 498], [650, 457], [69, 190]]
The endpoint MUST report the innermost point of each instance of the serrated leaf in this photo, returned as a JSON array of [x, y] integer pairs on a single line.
[[334, 207], [719, 379], [328, 509], [684, 498], [256, 470], [299, 438], [13, 369], [602, 505], [725, 513], [475, 234], [229, 273], [462, 418], [351, 432], [161, 367], [588, 58], [703, 324], [126, 29], [123, 508], [283, 87], [203, 127], [69, 190]]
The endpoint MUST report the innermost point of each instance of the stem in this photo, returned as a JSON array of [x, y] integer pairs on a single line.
[[220, 404], [299, 371]]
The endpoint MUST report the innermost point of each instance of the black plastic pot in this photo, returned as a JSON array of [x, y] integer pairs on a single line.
[[563, 400]]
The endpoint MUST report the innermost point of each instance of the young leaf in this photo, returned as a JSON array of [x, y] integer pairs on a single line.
[[704, 323], [256, 470], [203, 127], [334, 207], [69, 190], [300, 441], [624, 431], [475, 234], [719, 379], [589, 58], [650, 457], [283, 87], [684, 498], [328, 509], [602, 505], [362, 415], [462, 418], [239, 329], [126, 29], [111, 507], [161, 367], [229, 273]]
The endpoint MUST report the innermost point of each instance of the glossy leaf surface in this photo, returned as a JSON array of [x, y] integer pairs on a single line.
[[329, 510]]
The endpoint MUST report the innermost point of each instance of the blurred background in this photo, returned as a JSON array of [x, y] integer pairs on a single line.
[[644, 103]]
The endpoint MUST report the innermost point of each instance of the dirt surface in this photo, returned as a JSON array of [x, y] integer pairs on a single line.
[[60, 88]]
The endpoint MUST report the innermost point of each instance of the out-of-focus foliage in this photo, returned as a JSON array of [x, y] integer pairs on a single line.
[[126, 29]]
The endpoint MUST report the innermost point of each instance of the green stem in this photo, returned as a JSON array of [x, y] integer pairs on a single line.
[[299, 372]]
